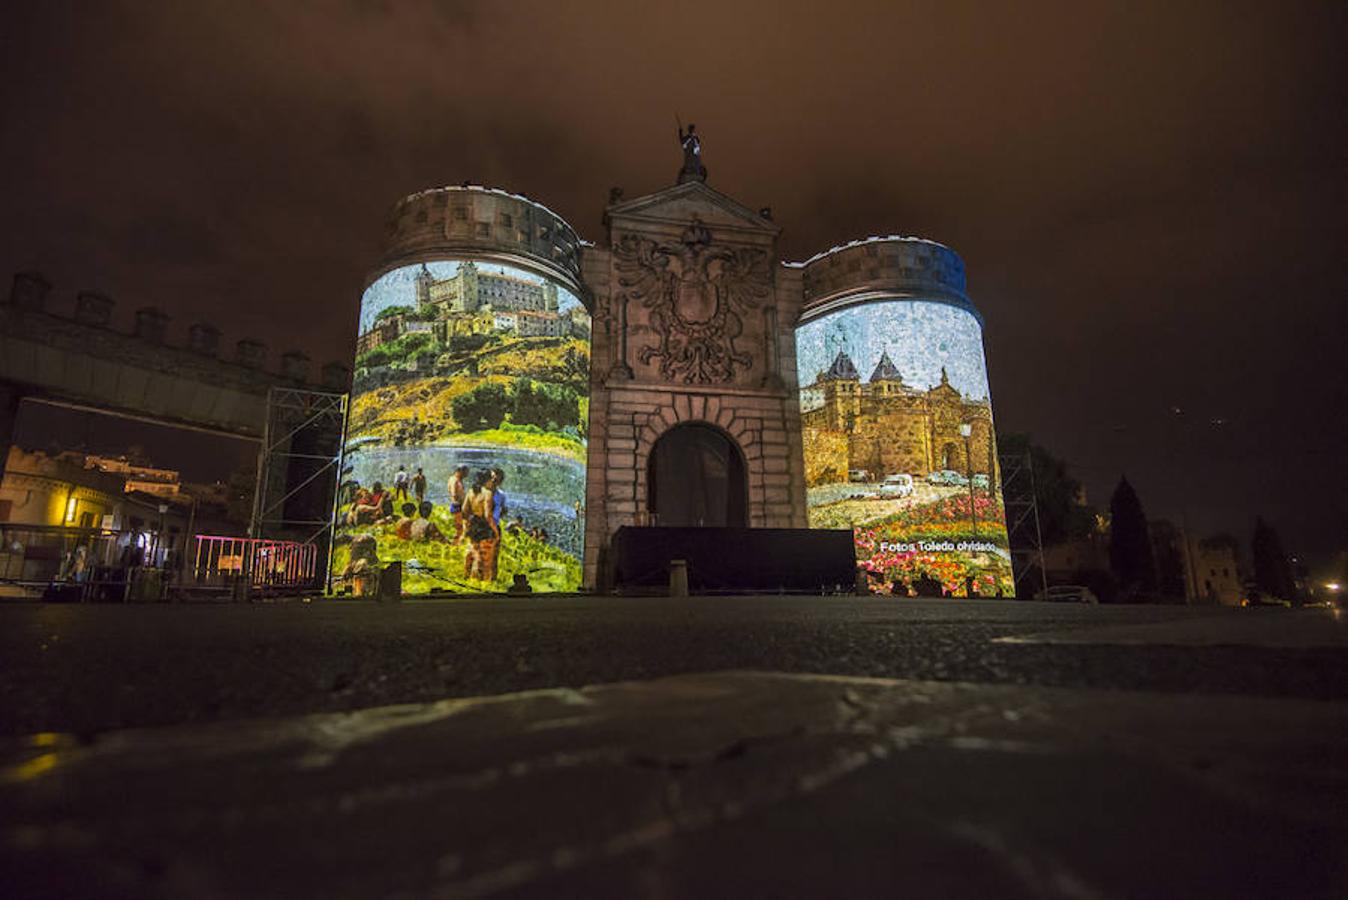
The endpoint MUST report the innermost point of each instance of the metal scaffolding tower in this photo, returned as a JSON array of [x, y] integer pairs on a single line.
[[1022, 518], [298, 465]]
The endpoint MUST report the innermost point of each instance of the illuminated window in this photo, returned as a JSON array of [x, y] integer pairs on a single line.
[[70, 510]]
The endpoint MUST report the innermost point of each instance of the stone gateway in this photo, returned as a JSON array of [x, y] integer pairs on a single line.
[[696, 405]]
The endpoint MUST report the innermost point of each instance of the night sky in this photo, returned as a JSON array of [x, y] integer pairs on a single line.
[[1149, 198]]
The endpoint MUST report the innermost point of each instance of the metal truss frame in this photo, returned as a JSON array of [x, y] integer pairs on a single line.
[[291, 412], [1022, 516]]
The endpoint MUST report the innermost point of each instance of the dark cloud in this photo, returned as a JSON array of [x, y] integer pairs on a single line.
[[1148, 196]]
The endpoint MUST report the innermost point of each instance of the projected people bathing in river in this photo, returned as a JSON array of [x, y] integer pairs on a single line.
[[493, 533], [470, 395]]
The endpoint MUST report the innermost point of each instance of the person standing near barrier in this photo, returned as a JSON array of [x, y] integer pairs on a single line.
[[79, 570], [419, 486]]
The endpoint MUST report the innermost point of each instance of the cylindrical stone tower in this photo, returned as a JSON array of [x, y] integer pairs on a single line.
[[896, 418], [466, 433]]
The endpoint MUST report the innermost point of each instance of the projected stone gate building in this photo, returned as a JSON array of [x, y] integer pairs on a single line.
[[676, 373], [882, 426]]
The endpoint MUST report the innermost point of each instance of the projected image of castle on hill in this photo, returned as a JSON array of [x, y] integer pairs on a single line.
[[466, 435], [899, 446]]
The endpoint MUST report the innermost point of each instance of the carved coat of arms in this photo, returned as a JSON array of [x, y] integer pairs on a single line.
[[695, 293]]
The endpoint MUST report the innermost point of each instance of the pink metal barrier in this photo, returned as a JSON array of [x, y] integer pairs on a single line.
[[269, 562]]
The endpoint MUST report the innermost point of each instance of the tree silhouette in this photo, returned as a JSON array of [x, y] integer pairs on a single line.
[[1167, 544], [1129, 546], [1272, 571], [1057, 494]]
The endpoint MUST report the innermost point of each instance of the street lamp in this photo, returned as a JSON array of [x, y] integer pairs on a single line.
[[966, 430]]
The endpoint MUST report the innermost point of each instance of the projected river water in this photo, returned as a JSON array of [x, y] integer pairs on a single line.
[[467, 431]]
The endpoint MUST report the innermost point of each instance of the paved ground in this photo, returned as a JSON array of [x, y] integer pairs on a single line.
[[93, 667], [931, 749]]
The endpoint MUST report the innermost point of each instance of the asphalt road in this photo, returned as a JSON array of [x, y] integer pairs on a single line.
[[89, 668], [693, 748]]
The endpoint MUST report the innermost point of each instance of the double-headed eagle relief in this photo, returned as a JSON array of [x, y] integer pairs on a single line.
[[695, 293]]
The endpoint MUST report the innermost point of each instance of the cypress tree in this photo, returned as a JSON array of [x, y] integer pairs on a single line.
[[1272, 571], [1130, 555]]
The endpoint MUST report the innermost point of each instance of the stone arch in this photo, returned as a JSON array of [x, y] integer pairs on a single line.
[[705, 410], [696, 475], [952, 457]]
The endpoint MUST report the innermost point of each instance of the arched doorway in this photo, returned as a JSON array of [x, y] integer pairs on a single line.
[[695, 478], [950, 459]]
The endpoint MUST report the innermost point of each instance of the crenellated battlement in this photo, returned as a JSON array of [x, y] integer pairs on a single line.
[[90, 329], [892, 264], [486, 222]]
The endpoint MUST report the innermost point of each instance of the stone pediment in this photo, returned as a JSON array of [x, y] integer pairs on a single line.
[[677, 205]]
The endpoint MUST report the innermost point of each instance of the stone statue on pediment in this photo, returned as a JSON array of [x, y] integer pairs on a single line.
[[693, 169]]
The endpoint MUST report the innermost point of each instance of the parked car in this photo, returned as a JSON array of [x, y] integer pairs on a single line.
[[1254, 597], [899, 484], [858, 475], [1067, 593], [947, 477], [981, 481]]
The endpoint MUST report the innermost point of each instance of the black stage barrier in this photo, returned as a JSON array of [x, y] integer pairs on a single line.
[[728, 560]]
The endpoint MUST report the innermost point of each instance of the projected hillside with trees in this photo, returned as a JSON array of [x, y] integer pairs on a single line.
[[467, 430]]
